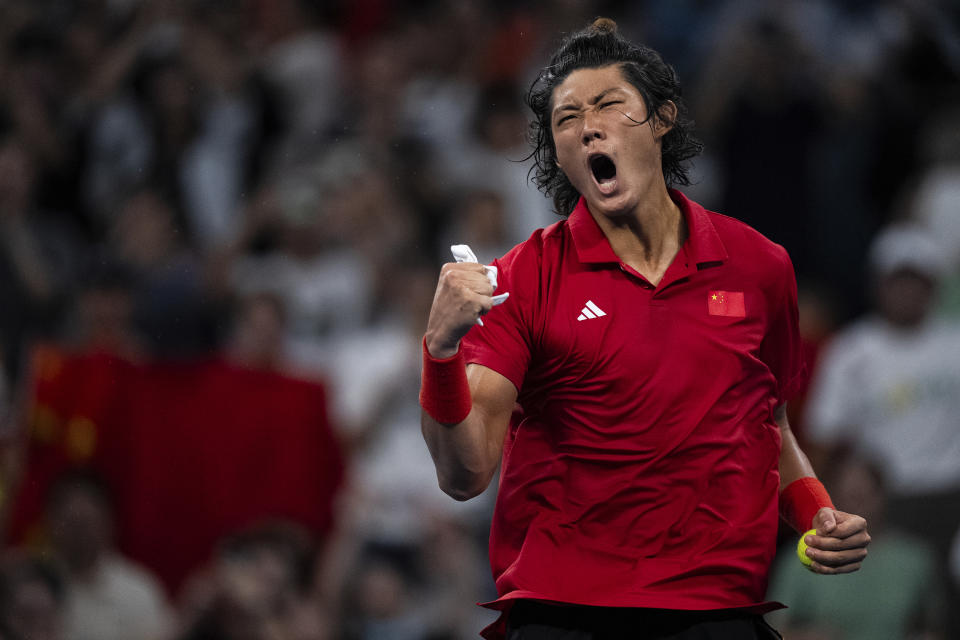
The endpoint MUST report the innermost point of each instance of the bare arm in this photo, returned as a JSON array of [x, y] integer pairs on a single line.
[[793, 462], [466, 454], [840, 543]]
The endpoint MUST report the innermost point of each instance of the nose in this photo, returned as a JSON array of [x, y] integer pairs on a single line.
[[591, 128]]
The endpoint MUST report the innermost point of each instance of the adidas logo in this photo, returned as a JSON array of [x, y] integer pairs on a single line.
[[590, 311]]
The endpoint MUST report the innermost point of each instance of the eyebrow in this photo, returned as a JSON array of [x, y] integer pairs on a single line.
[[594, 100]]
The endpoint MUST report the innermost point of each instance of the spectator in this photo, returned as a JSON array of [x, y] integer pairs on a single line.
[[187, 120], [381, 603], [302, 61], [936, 201], [234, 125], [103, 318], [256, 341], [414, 592], [68, 397], [107, 597], [889, 386], [758, 98], [480, 215], [169, 303], [491, 160], [37, 254], [324, 283], [259, 587], [31, 599]]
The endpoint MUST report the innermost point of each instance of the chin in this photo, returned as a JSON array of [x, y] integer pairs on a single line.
[[611, 206]]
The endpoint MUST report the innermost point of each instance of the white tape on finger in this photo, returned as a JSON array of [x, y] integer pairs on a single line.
[[463, 253]]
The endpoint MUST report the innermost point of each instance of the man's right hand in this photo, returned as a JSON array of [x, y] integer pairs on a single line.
[[464, 293]]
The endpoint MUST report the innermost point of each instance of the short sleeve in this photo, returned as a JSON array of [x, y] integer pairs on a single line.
[[503, 342], [781, 349]]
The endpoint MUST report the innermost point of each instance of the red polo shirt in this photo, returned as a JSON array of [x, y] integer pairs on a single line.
[[642, 470]]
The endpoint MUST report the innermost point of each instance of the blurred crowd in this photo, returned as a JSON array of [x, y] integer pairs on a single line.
[[221, 223]]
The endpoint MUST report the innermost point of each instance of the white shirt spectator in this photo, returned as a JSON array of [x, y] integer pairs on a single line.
[[324, 294], [894, 395], [122, 602]]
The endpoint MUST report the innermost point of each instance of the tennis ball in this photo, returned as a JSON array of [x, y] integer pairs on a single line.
[[802, 547]]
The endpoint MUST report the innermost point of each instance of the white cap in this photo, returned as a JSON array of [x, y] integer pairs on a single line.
[[908, 246]]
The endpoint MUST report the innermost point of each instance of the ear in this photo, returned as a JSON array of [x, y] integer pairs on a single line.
[[666, 116]]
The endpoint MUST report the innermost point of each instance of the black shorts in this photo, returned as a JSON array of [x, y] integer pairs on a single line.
[[531, 620]]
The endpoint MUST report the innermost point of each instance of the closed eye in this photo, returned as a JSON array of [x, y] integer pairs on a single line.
[[565, 118], [610, 103]]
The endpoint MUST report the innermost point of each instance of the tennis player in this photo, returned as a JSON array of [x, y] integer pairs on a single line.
[[632, 387]]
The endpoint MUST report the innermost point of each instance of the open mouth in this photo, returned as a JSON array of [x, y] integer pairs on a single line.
[[604, 170]]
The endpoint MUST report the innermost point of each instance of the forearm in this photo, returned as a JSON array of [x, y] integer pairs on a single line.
[[794, 463], [466, 452], [802, 496], [465, 409], [463, 453]]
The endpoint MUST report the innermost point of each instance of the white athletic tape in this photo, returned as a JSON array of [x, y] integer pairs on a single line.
[[463, 253]]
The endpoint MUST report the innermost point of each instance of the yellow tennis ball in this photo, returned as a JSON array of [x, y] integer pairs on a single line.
[[802, 547]]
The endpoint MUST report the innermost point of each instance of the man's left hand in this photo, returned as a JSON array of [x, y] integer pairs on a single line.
[[840, 544]]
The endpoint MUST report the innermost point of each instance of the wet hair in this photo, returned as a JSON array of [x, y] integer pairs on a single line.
[[601, 45]]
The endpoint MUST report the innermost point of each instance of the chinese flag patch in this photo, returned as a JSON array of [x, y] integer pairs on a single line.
[[726, 303]]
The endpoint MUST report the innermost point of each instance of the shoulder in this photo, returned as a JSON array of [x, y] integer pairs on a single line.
[[132, 579], [530, 254], [755, 258], [862, 333], [743, 242], [945, 331]]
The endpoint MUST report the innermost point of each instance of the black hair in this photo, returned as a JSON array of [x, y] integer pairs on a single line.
[[600, 45], [288, 540], [80, 479]]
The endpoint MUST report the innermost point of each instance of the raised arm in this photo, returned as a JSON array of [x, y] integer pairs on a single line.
[[467, 453], [465, 410]]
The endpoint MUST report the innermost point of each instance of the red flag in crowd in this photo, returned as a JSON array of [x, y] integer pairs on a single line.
[[191, 450]]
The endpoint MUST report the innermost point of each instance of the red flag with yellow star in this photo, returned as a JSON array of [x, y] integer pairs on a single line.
[[726, 303]]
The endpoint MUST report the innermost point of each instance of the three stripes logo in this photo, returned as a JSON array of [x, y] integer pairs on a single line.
[[590, 311]]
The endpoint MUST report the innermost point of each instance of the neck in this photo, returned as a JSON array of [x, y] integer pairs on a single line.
[[648, 237]]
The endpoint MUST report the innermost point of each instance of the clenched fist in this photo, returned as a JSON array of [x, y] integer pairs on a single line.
[[840, 544], [464, 293]]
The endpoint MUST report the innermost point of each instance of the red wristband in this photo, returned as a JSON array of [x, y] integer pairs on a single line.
[[444, 391], [800, 500]]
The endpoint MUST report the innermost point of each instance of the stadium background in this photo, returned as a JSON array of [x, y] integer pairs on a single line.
[[220, 228]]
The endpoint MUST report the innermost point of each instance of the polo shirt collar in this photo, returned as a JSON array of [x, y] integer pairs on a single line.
[[703, 243]]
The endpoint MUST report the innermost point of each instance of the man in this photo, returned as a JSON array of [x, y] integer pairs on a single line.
[[633, 383], [107, 596]]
